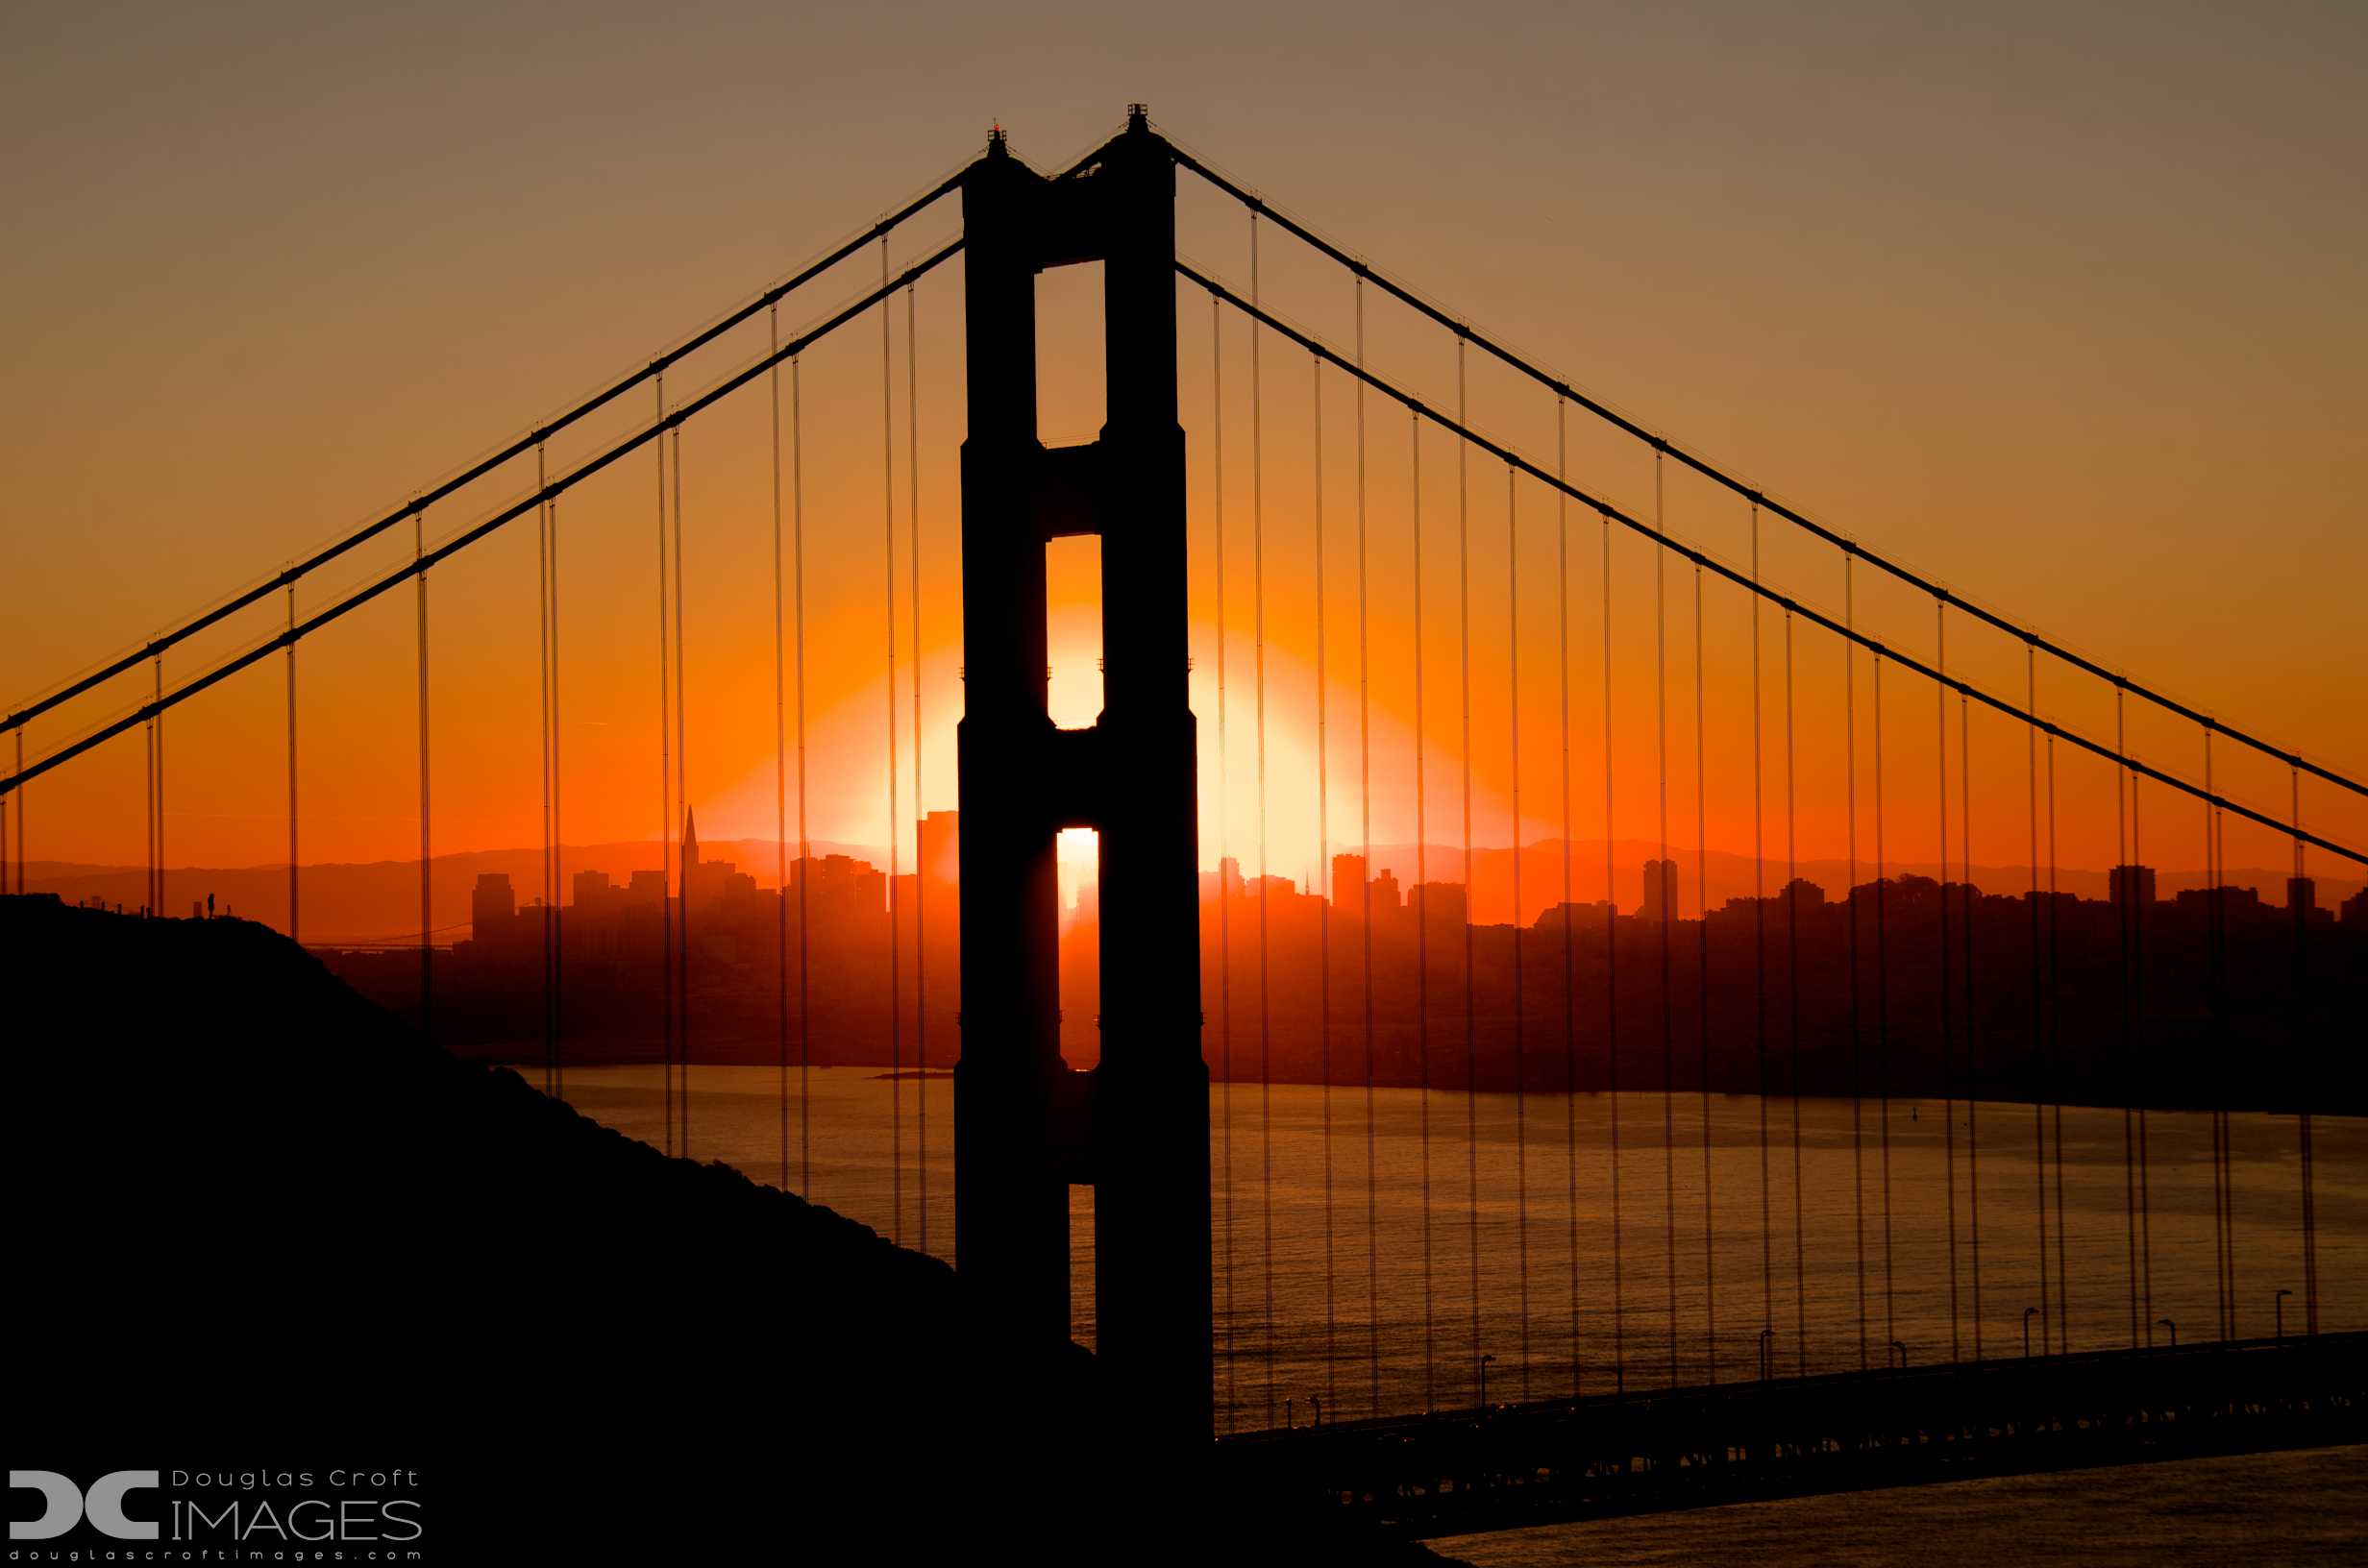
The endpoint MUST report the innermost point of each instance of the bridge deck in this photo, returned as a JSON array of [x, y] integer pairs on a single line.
[[1460, 1471]]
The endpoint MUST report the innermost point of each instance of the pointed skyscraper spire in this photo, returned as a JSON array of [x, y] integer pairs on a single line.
[[690, 842]]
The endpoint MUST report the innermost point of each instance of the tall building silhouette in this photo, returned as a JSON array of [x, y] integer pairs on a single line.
[[1660, 890], [2131, 884]]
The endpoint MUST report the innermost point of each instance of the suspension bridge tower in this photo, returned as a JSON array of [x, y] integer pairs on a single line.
[[1136, 1127]]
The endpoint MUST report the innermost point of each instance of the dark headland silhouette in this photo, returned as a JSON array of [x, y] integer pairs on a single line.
[[262, 1221]]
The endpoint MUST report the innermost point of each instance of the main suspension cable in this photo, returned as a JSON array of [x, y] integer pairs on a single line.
[[526, 443], [1612, 513], [1466, 333], [424, 560]]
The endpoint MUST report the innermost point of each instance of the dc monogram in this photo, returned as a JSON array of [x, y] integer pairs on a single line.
[[69, 1504]]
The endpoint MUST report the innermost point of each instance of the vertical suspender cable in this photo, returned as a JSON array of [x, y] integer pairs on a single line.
[[2038, 994], [1365, 825], [1854, 910], [1661, 893], [1759, 953], [2055, 1047], [426, 923], [549, 915], [2137, 967], [1702, 986], [147, 807], [2125, 897], [1948, 1058], [896, 915], [1792, 1000], [682, 798], [2224, 1207], [1973, 1079], [1882, 1017], [1471, 1049], [1611, 990], [156, 806], [556, 923], [1521, 1064], [805, 847], [2306, 1053], [1226, 871], [665, 790], [2214, 906], [1323, 910], [1424, 913], [1258, 646], [542, 683], [1570, 991], [920, 871], [781, 754], [293, 927]]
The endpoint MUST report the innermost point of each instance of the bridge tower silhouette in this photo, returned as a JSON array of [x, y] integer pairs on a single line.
[[1136, 1127]]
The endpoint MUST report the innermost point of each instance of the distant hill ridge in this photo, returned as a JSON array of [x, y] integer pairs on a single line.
[[346, 902]]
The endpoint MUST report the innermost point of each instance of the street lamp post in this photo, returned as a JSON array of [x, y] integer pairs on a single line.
[[1766, 1368], [2281, 1303], [2028, 1312], [2173, 1326], [1903, 1354], [1484, 1382]]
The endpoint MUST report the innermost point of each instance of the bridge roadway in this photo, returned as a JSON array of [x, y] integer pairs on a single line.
[[1462, 1471]]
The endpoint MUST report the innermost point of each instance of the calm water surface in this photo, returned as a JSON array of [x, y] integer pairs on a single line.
[[1336, 1279], [1369, 1249]]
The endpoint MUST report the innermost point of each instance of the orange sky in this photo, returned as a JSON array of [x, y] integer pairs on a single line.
[[2002, 296]]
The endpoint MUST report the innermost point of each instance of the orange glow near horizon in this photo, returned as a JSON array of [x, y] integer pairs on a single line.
[[1534, 615]]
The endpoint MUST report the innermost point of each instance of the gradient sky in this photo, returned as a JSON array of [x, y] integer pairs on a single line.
[[2058, 305]]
